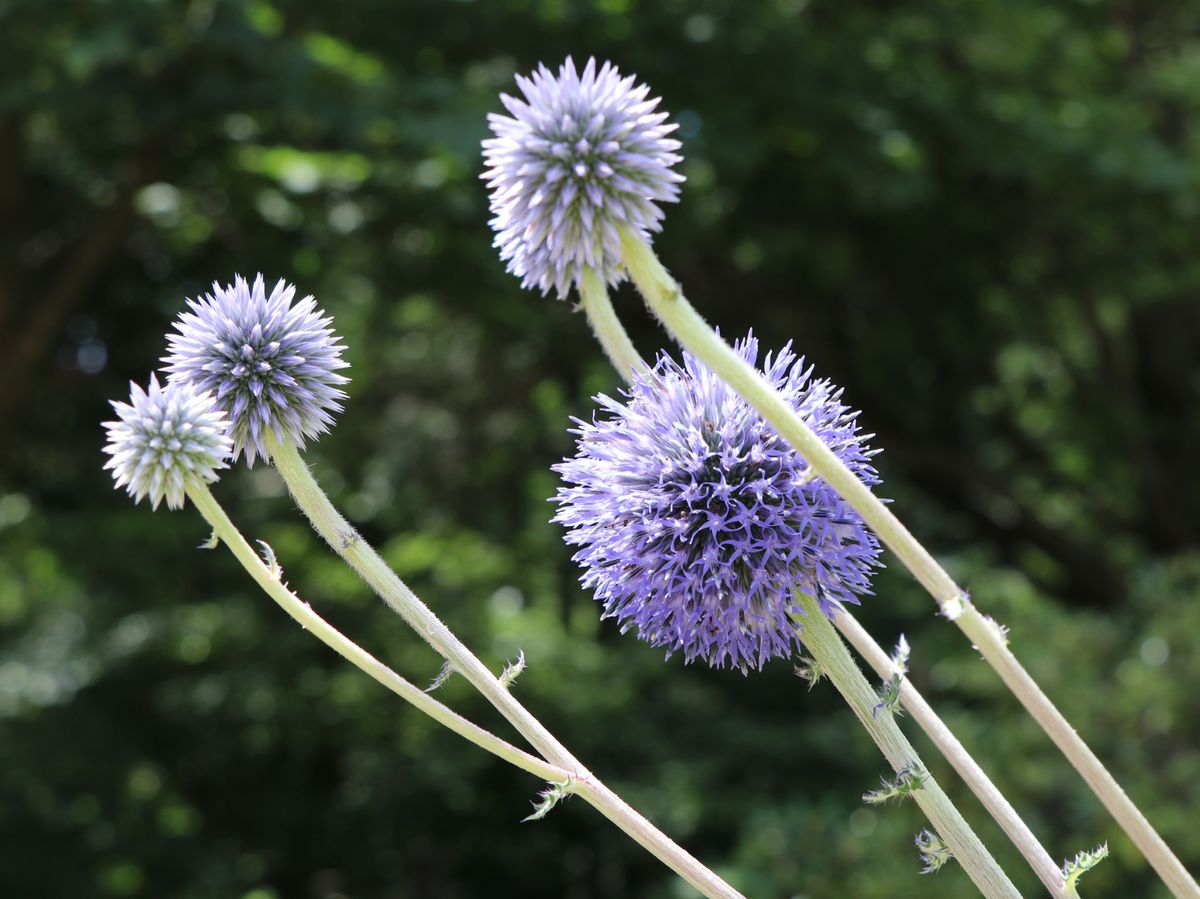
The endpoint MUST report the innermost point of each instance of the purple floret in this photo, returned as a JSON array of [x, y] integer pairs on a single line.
[[580, 156], [270, 363], [696, 521]]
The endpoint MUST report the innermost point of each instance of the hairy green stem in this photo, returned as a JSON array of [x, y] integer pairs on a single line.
[[613, 338], [925, 717], [346, 541], [308, 619], [667, 302], [834, 661]]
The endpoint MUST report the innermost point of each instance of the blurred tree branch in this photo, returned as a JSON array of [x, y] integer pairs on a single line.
[[24, 343], [12, 199]]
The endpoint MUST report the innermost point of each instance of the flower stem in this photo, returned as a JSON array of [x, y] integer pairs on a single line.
[[607, 327], [667, 302], [956, 754], [834, 661], [307, 618], [338, 533]]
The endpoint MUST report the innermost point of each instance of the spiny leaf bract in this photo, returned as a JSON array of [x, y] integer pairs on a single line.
[[442, 677], [889, 693], [512, 670], [908, 780], [934, 851], [1083, 862], [809, 670], [270, 561], [547, 799]]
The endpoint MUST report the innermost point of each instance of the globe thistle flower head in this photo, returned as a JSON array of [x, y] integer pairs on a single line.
[[164, 439], [582, 154], [696, 521], [272, 364]]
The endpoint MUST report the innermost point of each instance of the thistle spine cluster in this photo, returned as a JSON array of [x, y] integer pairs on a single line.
[[165, 440], [272, 363], [697, 523], [583, 155]]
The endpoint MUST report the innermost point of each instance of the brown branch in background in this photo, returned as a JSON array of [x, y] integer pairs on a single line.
[[12, 199], [1089, 577], [28, 346]]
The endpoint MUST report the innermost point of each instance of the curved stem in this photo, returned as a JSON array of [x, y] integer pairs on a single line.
[[308, 619], [667, 302], [338, 533], [347, 542], [956, 754], [607, 327], [834, 661]]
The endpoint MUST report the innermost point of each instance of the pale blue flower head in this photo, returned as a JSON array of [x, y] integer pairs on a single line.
[[582, 155], [271, 363], [697, 523], [165, 439]]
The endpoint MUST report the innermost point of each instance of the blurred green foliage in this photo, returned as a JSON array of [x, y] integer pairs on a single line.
[[980, 217]]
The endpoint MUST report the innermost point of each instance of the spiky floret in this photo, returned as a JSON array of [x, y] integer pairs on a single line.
[[580, 156], [164, 439], [271, 364], [696, 521]]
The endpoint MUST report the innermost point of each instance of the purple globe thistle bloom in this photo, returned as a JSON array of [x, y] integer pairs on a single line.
[[272, 365], [696, 521], [582, 155], [165, 439]]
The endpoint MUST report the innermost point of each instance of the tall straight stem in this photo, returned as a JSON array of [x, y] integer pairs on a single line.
[[925, 717], [308, 619], [834, 661], [346, 541], [956, 754], [667, 302]]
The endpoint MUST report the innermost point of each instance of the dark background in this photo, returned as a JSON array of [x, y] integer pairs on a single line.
[[979, 217]]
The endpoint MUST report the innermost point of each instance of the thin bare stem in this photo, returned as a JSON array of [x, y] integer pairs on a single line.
[[338, 533], [308, 619], [613, 338], [667, 302]]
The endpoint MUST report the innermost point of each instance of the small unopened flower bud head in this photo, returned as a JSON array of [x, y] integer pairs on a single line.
[[165, 439], [272, 364], [582, 155], [697, 523]]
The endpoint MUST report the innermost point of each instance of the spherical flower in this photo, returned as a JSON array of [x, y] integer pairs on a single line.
[[271, 364], [580, 156], [165, 439], [696, 521]]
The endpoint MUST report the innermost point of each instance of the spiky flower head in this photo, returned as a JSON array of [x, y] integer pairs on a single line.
[[164, 439], [271, 364], [582, 155], [696, 521]]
